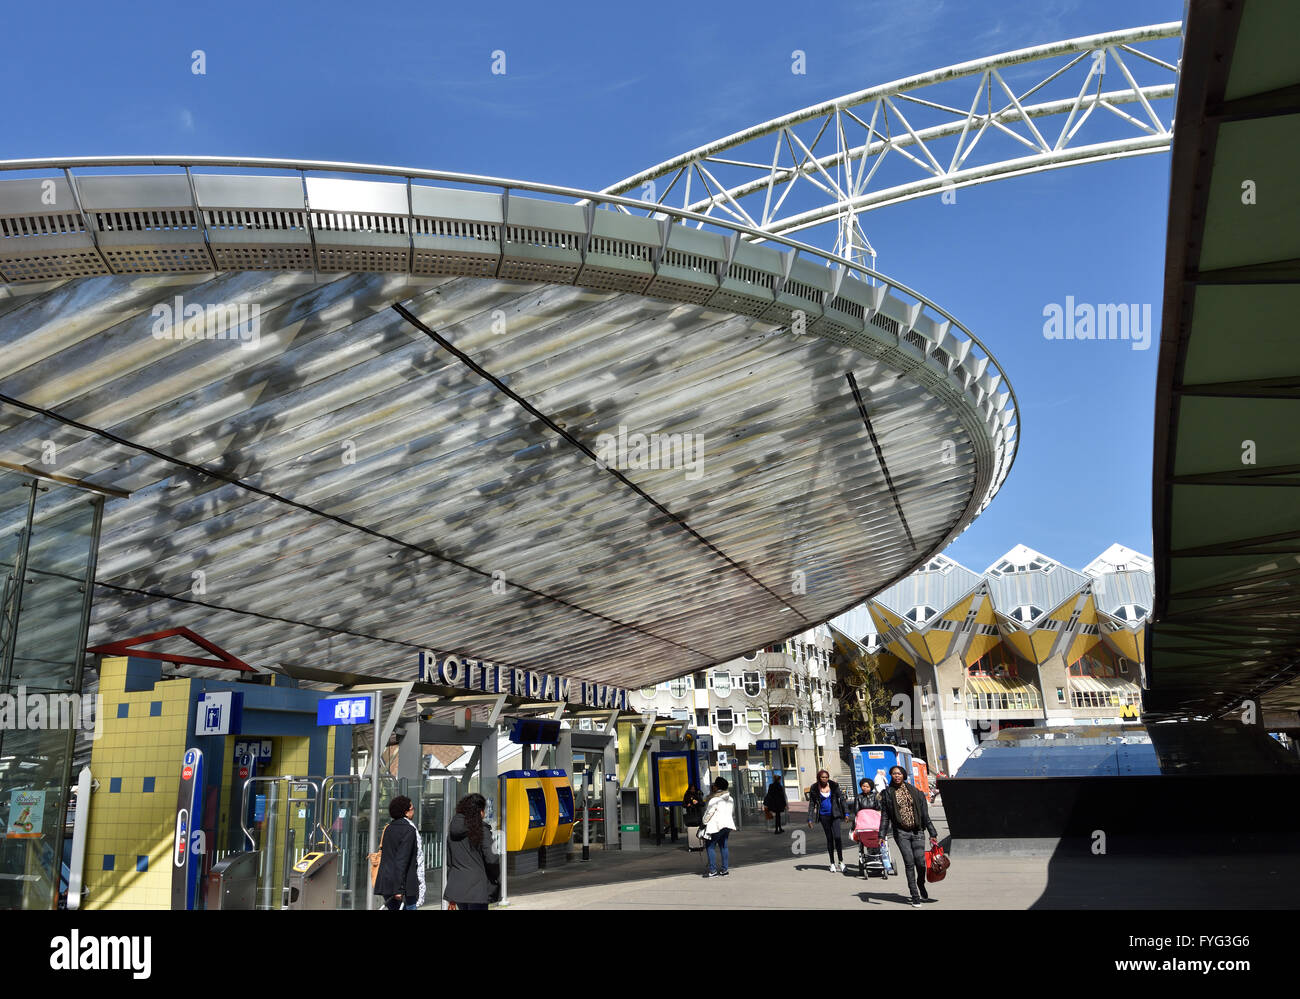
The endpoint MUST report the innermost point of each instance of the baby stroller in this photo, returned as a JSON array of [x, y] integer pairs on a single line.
[[873, 851]]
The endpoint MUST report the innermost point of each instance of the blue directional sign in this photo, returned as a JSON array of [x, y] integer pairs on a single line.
[[344, 710], [189, 846], [764, 745]]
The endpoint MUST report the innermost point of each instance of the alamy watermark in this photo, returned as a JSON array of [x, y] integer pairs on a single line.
[[654, 451], [1085, 321], [76, 952], [37, 712], [237, 322]]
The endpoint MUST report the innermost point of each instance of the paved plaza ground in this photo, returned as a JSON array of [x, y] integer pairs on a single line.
[[767, 874]]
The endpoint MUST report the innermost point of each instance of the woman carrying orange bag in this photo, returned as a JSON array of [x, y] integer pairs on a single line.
[[399, 874]]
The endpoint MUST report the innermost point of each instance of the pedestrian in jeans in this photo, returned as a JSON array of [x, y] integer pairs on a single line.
[[908, 813], [400, 879], [719, 820], [826, 805]]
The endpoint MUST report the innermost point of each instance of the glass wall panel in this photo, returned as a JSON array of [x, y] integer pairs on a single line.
[[48, 537], [48, 650], [32, 803], [15, 503]]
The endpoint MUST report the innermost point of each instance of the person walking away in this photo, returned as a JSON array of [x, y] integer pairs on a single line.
[[908, 813], [719, 821], [826, 805], [775, 801], [473, 868], [692, 815], [400, 879]]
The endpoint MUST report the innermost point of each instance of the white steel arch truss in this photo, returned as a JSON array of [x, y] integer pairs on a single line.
[[1001, 116]]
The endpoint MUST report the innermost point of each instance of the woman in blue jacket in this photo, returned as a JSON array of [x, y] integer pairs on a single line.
[[826, 804]]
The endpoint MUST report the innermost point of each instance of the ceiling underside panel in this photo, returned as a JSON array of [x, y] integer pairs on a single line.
[[378, 496]]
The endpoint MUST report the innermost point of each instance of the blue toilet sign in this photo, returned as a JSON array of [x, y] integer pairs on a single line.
[[344, 710]]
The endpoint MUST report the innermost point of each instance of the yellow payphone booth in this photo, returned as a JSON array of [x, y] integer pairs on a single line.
[[560, 812], [526, 812]]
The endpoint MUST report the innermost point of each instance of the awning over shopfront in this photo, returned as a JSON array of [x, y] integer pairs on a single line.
[[1017, 692], [1105, 685]]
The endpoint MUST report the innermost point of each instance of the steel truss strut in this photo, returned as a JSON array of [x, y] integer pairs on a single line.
[[946, 129]]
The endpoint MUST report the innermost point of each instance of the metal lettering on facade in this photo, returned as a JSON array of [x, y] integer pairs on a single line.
[[489, 678]]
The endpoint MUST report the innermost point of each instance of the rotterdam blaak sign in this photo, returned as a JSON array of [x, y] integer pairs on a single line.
[[489, 678]]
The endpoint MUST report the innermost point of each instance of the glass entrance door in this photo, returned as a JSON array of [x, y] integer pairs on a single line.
[[589, 793]]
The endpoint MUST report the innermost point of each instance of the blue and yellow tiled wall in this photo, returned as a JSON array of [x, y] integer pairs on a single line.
[[148, 723], [137, 761]]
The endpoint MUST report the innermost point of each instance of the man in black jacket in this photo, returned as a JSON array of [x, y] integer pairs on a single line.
[[906, 810]]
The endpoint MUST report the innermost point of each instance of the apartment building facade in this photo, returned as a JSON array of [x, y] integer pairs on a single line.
[[783, 694]]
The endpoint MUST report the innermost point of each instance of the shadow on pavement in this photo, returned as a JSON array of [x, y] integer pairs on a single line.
[[1077, 879], [753, 845]]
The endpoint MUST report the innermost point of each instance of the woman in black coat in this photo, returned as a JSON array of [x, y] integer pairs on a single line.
[[775, 801], [692, 815], [400, 879], [473, 868], [868, 797], [908, 814]]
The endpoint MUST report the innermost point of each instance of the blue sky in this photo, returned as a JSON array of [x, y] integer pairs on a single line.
[[594, 93]]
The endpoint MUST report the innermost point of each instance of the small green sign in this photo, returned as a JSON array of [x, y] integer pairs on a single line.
[[629, 828]]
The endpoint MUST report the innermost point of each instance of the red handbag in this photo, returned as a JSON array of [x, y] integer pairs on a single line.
[[936, 864]]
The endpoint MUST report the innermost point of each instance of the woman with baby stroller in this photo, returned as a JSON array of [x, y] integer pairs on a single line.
[[870, 827]]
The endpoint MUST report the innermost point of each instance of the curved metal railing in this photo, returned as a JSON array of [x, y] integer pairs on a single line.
[[199, 222]]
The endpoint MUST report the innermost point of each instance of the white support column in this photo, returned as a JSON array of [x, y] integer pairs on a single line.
[[403, 693], [80, 824]]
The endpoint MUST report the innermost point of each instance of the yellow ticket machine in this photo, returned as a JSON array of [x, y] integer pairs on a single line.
[[526, 812], [560, 812]]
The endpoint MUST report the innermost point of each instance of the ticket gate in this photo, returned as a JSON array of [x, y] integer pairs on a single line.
[[313, 883], [281, 819], [526, 814], [232, 882], [560, 813]]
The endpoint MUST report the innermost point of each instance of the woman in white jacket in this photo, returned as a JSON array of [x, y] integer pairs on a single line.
[[719, 820]]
